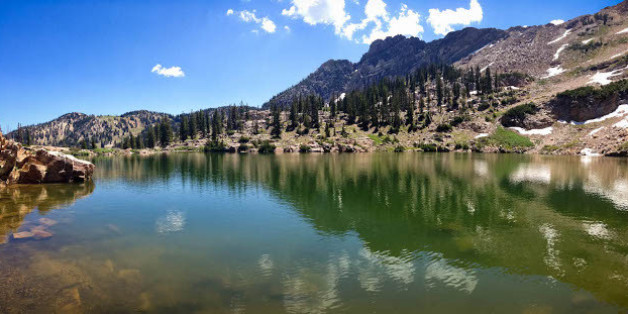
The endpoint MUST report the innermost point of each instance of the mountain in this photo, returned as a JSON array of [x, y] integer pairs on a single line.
[[72, 128], [393, 56], [548, 50], [540, 51]]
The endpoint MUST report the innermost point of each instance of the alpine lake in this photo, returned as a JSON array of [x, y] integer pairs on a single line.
[[335, 233]]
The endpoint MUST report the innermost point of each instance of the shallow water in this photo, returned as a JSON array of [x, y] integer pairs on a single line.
[[376, 233]]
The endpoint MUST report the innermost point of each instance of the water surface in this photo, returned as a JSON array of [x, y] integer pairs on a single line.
[[371, 233]]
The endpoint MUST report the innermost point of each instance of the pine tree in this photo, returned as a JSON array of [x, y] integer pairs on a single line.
[[410, 116], [193, 126], [165, 132], [439, 92], [488, 82], [294, 116], [28, 137], [150, 138], [183, 130], [276, 123]]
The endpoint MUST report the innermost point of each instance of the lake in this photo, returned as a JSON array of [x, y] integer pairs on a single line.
[[368, 233]]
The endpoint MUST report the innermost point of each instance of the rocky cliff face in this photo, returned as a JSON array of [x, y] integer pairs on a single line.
[[394, 56], [20, 166], [73, 128]]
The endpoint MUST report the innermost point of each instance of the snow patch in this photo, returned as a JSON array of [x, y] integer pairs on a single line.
[[619, 55], [595, 131], [623, 124], [603, 78], [481, 135], [557, 54], [625, 30], [621, 111], [486, 67], [589, 153], [545, 131], [554, 71], [563, 36], [586, 41], [487, 46], [341, 97]]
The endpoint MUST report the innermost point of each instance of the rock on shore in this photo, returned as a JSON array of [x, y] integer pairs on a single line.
[[21, 166]]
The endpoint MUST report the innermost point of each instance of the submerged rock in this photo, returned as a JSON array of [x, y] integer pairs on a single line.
[[47, 221], [41, 234], [21, 166], [23, 235]]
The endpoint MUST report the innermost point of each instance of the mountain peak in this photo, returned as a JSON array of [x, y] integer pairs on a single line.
[[389, 57]]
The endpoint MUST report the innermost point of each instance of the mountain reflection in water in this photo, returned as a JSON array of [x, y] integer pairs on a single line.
[[344, 233]]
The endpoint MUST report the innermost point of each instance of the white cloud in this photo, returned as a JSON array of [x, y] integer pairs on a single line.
[[264, 23], [168, 72], [268, 25], [557, 22], [313, 12], [332, 12], [230, 12], [287, 28], [442, 21], [407, 23]]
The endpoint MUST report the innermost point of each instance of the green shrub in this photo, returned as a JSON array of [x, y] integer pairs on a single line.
[[304, 148], [215, 147], [400, 149], [243, 148], [483, 106], [428, 148], [443, 128], [243, 140], [506, 139], [599, 94], [515, 116], [458, 120], [266, 148], [462, 146]]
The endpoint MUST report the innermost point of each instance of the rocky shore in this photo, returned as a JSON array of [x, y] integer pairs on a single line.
[[19, 165]]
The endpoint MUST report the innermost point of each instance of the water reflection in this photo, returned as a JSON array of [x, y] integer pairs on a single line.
[[16, 202], [347, 233], [555, 217]]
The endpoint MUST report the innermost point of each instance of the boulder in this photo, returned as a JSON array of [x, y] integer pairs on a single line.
[[21, 166]]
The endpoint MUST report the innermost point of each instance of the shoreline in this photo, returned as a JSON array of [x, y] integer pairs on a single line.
[[280, 151]]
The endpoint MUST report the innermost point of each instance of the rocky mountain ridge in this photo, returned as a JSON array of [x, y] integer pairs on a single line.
[[393, 56]]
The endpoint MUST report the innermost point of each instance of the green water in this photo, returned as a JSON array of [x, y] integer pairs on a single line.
[[376, 233]]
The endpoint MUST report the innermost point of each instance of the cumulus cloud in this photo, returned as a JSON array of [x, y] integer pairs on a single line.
[[406, 23], [557, 22], [377, 24], [442, 21], [168, 72], [264, 23], [313, 12]]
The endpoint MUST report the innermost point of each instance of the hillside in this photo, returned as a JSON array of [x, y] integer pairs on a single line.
[[73, 128], [394, 56], [549, 89]]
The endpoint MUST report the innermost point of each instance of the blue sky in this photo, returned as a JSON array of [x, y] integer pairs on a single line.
[[111, 57]]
